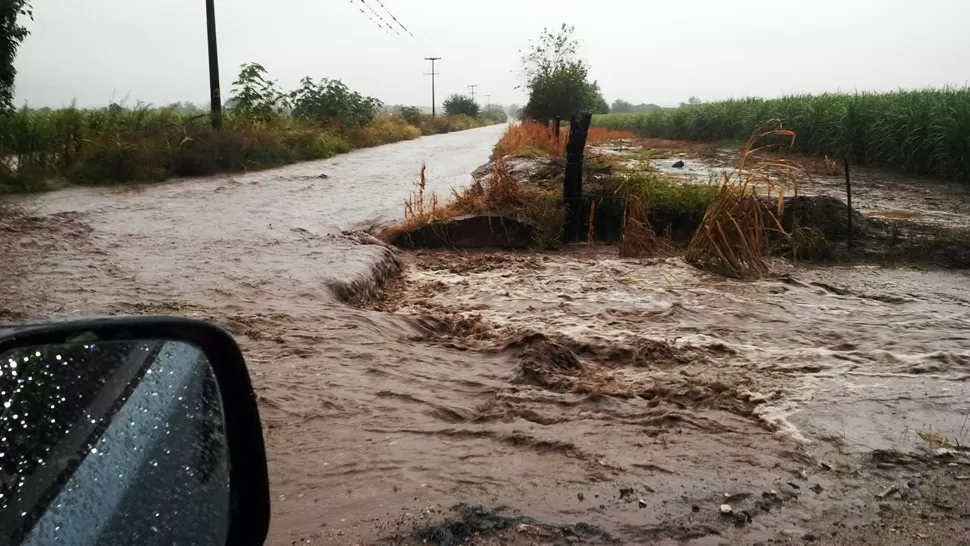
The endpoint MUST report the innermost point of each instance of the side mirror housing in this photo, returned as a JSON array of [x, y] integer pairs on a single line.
[[129, 430]]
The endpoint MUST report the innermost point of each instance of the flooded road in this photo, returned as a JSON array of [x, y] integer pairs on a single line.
[[570, 388]]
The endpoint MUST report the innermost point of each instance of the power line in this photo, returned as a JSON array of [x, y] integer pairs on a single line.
[[360, 9], [472, 87], [386, 24], [395, 18]]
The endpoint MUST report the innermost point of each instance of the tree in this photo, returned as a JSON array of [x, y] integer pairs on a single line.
[[254, 96], [621, 106], [691, 101], [513, 111], [412, 114], [495, 113], [457, 105], [12, 34], [332, 102], [557, 79]]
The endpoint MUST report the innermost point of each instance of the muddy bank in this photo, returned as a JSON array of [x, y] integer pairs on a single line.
[[815, 222]]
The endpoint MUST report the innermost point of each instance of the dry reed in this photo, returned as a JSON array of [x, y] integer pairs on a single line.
[[639, 239], [733, 236]]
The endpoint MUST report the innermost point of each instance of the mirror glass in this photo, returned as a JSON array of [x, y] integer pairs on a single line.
[[112, 442]]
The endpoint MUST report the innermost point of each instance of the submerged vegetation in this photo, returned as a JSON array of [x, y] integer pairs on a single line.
[[729, 225], [924, 132], [263, 127]]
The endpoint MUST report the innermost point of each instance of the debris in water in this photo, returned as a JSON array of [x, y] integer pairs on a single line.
[[888, 491], [580, 496], [678, 165], [626, 493], [695, 508], [824, 465], [642, 503], [793, 485], [817, 488], [726, 510], [741, 518]]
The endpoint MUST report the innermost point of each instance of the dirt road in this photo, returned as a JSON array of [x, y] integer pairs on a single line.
[[572, 389]]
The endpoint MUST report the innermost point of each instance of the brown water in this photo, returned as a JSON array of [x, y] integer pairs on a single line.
[[686, 387]]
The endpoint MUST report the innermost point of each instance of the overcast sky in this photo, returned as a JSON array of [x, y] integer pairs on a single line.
[[96, 51]]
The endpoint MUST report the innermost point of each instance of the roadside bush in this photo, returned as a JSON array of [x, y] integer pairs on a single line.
[[495, 115], [412, 115], [461, 105], [330, 102]]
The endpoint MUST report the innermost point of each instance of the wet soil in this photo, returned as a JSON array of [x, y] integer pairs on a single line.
[[876, 193], [523, 398]]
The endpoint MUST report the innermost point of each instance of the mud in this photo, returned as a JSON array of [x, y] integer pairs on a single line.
[[876, 193], [575, 397], [696, 387]]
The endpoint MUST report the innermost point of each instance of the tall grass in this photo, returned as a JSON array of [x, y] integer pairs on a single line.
[[44, 150], [924, 132]]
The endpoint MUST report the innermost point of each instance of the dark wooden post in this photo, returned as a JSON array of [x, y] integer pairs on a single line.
[[572, 189], [557, 123], [848, 203]]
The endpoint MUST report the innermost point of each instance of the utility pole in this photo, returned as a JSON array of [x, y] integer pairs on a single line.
[[489, 107], [432, 74], [214, 94], [472, 87]]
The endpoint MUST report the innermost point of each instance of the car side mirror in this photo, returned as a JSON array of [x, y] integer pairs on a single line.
[[129, 430]]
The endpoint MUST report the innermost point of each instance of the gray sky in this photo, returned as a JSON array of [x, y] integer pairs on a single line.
[[640, 50]]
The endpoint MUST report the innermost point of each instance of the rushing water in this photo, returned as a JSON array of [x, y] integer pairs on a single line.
[[689, 386]]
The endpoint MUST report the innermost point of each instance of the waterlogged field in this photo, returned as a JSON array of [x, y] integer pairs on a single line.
[[923, 132]]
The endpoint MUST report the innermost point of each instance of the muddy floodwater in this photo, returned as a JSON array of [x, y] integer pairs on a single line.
[[574, 388]]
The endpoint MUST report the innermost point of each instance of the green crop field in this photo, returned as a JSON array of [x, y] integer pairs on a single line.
[[924, 132]]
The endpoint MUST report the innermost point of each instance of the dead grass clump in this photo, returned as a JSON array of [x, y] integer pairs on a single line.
[[638, 238], [530, 139], [498, 193], [599, 135], [732, 239]]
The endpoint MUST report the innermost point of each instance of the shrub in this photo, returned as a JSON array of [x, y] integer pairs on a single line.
[[412, 115], [461, 105]]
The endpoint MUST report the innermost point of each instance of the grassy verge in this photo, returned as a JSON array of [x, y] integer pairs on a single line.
[[449, 124], [924, 132], [48, 150]]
